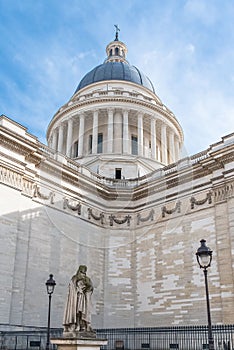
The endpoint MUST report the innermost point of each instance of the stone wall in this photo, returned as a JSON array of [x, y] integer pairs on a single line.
[[138, 238]]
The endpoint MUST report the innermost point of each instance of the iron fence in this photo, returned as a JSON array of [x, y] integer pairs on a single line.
[[163, 338], [153, 338], [27, 340]]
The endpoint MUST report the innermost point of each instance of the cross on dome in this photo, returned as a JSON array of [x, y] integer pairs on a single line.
[[117, 30]]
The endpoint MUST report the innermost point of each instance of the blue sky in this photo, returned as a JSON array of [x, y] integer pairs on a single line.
[[186, 47]]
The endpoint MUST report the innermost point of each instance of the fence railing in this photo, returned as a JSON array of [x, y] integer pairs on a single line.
[[163, 338], [153, 338], [26, 340]]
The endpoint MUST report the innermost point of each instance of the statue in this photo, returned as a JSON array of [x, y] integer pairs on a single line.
[[77, 315]]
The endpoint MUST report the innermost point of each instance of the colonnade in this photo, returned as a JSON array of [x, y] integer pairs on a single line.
[[155, 139]]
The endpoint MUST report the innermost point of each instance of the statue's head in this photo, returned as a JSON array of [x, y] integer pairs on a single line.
[[82, 269]]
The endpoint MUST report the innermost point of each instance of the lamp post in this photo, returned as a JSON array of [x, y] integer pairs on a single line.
[[204, 257], [50, 284]]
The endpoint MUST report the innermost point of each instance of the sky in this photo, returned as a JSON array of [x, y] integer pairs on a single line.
[[185, 47]]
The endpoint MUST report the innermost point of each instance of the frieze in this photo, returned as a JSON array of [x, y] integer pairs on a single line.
[[73, 205], [113, 219], [224, 192], [10, 177], [150, 216], [95, 217], [194, 202], [171, 211], [39, 194], [28, 187]]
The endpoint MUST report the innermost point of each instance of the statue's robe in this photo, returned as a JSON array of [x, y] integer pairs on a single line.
[[78, 300], [70, 312]]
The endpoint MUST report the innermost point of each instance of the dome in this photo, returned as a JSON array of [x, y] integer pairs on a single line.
[[116, 67], [115, 71]]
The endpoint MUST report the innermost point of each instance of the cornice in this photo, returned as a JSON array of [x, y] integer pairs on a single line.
[[21, 148]]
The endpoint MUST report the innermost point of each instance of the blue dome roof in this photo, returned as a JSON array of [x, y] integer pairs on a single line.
[[115, 71]]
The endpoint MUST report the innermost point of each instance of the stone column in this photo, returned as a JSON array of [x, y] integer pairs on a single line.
[[125, 132], [172, 147], [60, 138], [50, 141], [153, 138], [81, 136], [158, 154], [95, 131], [164, 144], [110, 131], [177, 148], [140, 134], [69, 137], [54, 139], [118, 133]]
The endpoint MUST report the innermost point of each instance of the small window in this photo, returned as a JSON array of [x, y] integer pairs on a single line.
[[134, 145], [75, 149], [100, 143], [110, 52], [118, 173], [116, 51], [90, 143]]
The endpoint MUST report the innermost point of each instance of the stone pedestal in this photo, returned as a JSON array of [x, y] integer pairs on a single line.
[[71, 343]]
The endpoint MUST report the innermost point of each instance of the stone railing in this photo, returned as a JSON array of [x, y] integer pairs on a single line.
[[125, 183]]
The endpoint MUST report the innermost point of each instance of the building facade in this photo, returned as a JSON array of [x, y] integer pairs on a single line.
[[111, 191]]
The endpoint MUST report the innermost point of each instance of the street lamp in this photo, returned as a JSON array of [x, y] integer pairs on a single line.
[[204, 257], [50, 284]]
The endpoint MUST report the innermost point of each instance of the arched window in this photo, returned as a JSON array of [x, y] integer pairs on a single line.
[[110, 52], [116, 51]]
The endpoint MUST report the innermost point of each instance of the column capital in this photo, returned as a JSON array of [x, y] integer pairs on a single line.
[[95, 111], [126, 110], [171, 131], [70, 121]]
